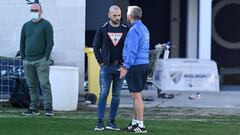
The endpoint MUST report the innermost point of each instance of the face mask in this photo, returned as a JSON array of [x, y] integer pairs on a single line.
[[34, 16]]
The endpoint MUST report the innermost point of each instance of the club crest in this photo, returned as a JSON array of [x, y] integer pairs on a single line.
[[176, 76]]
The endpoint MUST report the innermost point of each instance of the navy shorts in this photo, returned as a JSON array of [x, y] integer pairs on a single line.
[[137, 77]]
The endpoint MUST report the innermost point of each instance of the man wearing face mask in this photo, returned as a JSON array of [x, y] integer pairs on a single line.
[[36, 45], [108, 45]]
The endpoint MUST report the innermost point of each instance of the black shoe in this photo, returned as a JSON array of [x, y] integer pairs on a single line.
[[31, 112], [48, 112], [111, 125], [100, 125], [128, 127], [137, 129]]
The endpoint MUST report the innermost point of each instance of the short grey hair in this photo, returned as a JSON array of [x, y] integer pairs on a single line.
[[135, 12]]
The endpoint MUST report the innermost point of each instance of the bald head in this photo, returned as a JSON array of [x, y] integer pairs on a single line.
[[114, 8], [114, 15], [36, 7]]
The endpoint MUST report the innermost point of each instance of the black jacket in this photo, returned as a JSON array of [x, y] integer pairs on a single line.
[[101, 43]]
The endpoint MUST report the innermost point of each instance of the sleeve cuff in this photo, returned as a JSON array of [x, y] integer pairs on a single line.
[[126, 66]]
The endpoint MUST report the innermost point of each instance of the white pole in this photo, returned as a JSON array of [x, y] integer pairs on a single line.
[[192, 29], [205, 21]]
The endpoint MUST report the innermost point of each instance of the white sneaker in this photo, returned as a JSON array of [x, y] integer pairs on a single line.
[[195, 96], [137, 129]]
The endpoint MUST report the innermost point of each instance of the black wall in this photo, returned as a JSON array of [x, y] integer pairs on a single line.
[[156, 16], [227, 25]]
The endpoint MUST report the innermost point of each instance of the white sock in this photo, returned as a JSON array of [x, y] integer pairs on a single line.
[[134, 122], [140, 124]]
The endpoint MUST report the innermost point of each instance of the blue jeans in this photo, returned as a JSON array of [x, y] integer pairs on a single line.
[[109, 74], [38, 72]]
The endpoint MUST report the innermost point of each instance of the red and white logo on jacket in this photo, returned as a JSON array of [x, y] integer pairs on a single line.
[[115, 37]]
